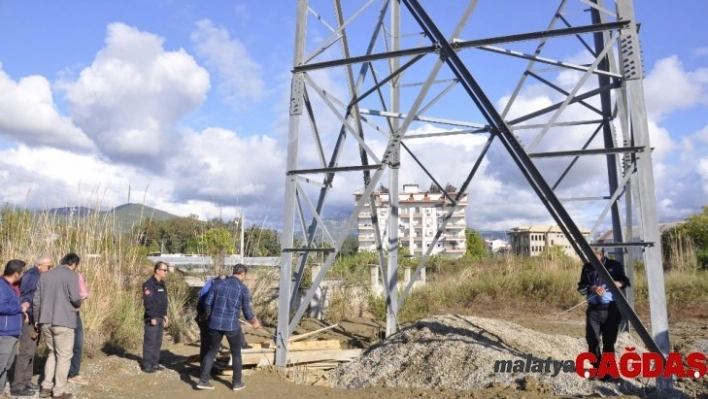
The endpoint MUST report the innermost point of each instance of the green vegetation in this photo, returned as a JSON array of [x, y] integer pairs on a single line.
[[686, 245], [189, 235], [476, 247], [110, 261], [532, 282]]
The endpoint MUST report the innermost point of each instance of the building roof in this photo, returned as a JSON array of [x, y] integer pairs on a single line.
[[542, 229], [608, 235]]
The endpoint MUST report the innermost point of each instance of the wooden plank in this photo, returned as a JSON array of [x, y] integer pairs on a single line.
[[323, 355], [311, 333], [266, 357], [311, 345]]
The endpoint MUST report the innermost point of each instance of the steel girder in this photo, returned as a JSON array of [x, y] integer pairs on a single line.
[[365, 123]]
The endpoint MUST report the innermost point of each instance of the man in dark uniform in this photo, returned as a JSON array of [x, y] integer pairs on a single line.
[[155, 301], [603, 317]]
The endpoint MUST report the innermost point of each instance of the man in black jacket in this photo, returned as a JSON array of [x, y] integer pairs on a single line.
[[602, 317], [155, 301]]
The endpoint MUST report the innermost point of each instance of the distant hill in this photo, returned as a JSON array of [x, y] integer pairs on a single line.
[[129, 215], [335, 228], [493, 235], [126, 215], [76, 211]]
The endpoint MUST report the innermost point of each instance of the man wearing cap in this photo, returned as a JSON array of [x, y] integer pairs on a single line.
[[602, 317]]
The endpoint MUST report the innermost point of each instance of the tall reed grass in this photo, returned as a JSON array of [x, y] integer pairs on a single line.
[[538, 282], [110, 261]]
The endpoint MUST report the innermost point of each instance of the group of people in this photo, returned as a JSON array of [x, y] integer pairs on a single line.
[[43, 302], [220, 304]]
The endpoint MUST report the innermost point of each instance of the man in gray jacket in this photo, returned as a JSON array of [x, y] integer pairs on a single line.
[[54, 308]]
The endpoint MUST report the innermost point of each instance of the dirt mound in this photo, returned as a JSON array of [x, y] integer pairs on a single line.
[[462, 352]]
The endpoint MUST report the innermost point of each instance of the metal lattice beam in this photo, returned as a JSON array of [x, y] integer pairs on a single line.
[[370, 100]]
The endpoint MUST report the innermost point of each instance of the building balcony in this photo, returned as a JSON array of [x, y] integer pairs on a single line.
[[454, 250]]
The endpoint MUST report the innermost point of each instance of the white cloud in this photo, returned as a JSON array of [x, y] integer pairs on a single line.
[[29, 116], [134, 93], [669, 87], [241, 77], [700, 52], [49, 177], [219, 166]]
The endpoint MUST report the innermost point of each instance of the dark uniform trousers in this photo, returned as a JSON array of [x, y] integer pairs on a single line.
[[602, 325], [152, 343]]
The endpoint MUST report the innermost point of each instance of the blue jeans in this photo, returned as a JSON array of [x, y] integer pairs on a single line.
[[78, 347], [234, 338]]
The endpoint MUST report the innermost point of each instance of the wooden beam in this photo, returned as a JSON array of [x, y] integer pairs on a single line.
[[308, 345], [311, 333]]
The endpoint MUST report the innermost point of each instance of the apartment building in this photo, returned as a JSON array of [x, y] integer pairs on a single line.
[[533, 240], [420, 213]]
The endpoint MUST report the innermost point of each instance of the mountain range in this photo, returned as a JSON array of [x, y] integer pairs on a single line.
[[126, 216]]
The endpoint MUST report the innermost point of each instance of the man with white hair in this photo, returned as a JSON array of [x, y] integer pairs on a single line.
[[21, 384]]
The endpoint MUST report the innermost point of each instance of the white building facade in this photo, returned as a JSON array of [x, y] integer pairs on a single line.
[[533, 240], [420, 214]]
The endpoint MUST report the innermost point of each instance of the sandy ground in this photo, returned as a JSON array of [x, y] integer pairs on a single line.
[[114, 376]]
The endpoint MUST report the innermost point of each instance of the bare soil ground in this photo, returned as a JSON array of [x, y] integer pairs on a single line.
[[119, 376]]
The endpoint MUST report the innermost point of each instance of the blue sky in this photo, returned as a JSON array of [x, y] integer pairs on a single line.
[[184, 103]]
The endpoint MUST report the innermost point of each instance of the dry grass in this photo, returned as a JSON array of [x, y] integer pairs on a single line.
[[111, 263], [527, 282]]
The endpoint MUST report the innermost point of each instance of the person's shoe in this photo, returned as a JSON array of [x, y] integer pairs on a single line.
[[149, 370], [159, 367], [204, 385], [78, 380], [63, 396], [238, 386], [45, 393], [247, 346], [31, 385], [22, 392]]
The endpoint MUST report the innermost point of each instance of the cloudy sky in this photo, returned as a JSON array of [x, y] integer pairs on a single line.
[[183, 105]]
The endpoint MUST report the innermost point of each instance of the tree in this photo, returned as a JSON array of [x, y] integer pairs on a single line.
[[261, 242], [350, 246], [176, 235], [681, 241], [476, 247], [217, 243]]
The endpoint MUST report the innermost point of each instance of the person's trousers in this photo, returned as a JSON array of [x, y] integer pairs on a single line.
[[602, 325], [204, 340], [8, 347], [75, 368], [152, 342], [24, 362], [60, 343], [234, 338]]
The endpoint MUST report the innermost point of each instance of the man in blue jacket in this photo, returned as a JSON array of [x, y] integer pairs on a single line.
[[21, 384], [11, 317]]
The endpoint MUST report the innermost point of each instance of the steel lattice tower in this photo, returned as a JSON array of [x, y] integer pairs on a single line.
[[372, 76]]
